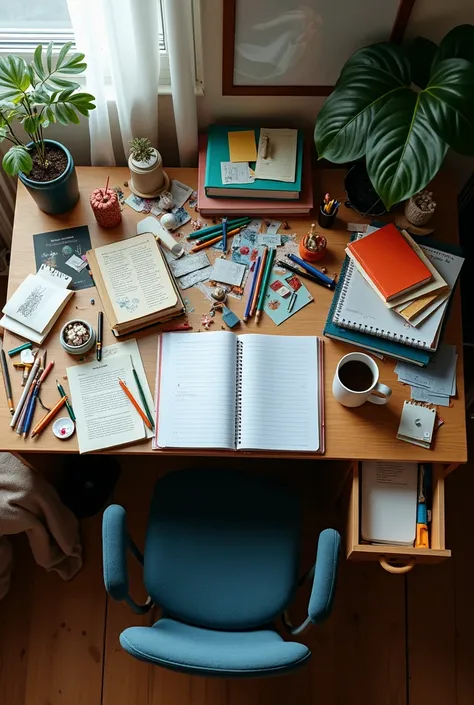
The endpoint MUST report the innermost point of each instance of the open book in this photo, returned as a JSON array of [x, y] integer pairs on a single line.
[[135, 284], [246, 392]]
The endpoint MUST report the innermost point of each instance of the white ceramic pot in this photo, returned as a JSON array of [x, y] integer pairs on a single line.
[[148, 179], [78, 349]]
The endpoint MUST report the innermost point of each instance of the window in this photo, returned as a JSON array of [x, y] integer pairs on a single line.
[[26, 23]]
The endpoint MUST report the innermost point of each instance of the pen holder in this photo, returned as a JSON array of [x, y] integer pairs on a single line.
[[313, 255], [326, 220]]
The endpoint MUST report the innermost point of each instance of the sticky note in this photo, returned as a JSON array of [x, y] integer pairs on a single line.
[[242, 147]]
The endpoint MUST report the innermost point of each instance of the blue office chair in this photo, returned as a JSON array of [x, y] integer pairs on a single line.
[[221, 560]]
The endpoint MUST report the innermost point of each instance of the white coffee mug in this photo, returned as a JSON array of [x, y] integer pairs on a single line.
[[354, 397]]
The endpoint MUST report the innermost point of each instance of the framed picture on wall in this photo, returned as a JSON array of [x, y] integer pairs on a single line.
[[284, 47]]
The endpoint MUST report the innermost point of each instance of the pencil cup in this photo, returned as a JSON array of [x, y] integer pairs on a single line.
[[325, 220]]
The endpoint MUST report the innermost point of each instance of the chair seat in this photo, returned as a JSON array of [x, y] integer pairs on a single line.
[[207, 652]]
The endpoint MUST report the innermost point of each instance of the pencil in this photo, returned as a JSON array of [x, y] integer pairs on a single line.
[[214, 235], [259, 281], [26, 389], [100, 328], [266, 277], [7, 382], [26, 406], [135, 404], [69, 408], [41, 425], [142, 394], [217, 228], [224, 234], [206, 244], [252, 290]]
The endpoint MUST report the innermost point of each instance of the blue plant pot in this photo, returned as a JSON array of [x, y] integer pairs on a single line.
[[58, 195]]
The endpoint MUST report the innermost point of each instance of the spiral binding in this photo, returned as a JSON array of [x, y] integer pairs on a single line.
[[238, 394], [372, 330]]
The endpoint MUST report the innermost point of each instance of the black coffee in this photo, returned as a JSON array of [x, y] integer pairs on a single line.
[[356, 376]]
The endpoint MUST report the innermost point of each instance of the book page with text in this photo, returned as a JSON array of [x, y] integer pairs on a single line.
[[280, 393], [136, 277], [196, 390]]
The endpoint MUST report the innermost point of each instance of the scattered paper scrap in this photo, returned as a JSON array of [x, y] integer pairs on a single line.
[[357, 227], [272, 226], [135, 202], [438, 377], [189, 263], [228, 272], [236, 173], [200, 275], [180, 193], [269, 239], [424, 395], [182, 217]]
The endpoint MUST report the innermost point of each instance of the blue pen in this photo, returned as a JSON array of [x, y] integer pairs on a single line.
[[224, 234], [30, 412], [252, 290], [330, 283]]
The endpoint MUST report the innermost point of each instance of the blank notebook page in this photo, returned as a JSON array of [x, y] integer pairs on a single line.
[[280, 393], [196, 406]]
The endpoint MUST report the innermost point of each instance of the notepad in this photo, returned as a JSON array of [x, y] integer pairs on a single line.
[[242, 147], [417, 424], [389, 502], [222, 391]]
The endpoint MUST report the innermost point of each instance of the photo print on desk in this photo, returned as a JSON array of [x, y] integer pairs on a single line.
[[63, 250]]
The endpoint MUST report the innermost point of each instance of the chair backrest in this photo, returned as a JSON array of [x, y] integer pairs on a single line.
[[222, 548]]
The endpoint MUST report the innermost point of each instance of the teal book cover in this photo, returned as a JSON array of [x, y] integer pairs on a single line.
[[218, 151]]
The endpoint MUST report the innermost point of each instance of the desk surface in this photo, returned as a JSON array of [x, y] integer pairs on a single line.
[[368, 432]]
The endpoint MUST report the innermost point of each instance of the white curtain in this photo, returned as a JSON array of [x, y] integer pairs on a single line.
[[120, 38]]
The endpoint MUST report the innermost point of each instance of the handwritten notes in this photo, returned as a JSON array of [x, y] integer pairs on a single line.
[[236, 173], [280, 164]]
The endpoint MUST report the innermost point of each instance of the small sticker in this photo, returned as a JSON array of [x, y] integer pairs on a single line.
[[294, 282]]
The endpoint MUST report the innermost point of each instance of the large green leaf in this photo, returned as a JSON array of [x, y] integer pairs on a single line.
[[403, 151], [368, 79], [14, 78], [448, 103], [457, 44], [17, 159]]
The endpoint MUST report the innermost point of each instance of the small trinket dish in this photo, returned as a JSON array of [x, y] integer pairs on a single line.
[[77, 337], [63, 428]]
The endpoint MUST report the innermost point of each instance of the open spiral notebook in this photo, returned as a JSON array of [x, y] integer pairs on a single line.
[[246, 392]]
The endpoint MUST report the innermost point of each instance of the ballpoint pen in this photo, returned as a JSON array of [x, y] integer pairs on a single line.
[[100, 329], [302, 273], [331, 284], [224, 234]]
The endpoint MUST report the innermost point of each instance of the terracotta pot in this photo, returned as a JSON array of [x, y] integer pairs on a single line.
[[148, 179]]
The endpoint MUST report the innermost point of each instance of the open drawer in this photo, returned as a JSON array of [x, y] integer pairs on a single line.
[[397, 559]]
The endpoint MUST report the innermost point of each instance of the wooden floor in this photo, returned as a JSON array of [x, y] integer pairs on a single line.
[[391, 640]]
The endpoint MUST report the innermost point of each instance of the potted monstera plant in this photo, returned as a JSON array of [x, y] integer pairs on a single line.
[[36, 95], [400, 109]]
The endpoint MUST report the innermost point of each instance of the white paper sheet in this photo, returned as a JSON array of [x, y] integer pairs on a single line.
[[228, 272], [280, 164], [189, 263], [236, 173]]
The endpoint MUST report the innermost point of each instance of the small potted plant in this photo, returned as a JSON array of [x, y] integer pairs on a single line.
[[36, 95], [147, 178], [400, 108]]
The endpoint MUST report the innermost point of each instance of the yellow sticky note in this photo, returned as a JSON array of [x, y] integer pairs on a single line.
[[242, 147]]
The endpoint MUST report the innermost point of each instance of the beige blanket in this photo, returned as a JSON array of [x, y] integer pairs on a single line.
[[29, 503]]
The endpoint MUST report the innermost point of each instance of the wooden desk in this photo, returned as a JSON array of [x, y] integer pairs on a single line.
[[368, 432]]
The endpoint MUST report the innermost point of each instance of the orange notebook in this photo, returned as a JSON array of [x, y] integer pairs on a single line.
[[390, 262]]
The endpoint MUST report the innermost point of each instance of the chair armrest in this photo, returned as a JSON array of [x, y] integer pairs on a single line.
[[324, 574], [115, 542]]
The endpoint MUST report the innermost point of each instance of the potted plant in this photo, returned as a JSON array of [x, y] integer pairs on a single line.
[[147, 178], [401, 109], [36, 95]]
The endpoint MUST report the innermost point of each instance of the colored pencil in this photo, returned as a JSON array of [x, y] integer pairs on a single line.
[[214, 235], [69, 408], [217, 228], [252, 290], [142, 394], [206, 244], [31, 410], [26, 390], [26, 406], [135, 404], [7, 381], [41, 425], [259, 281], [266, 277]]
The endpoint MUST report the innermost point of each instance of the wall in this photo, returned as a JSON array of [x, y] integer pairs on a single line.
[[431, 18]]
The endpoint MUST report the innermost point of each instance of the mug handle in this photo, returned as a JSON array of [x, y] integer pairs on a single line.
[[381, 389]]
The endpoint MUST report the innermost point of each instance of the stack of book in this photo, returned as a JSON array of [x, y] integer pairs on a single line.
[[393, 294], [279, 185]]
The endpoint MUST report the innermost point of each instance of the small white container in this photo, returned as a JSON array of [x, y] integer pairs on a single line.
[[148, 179], [78, 349]]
